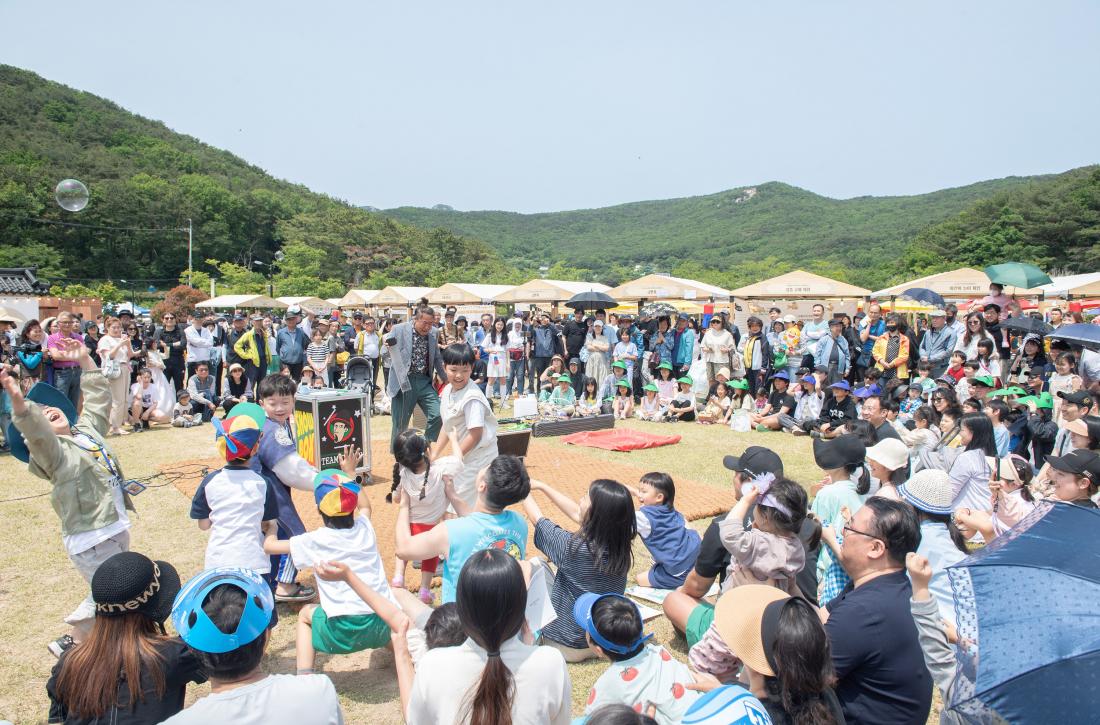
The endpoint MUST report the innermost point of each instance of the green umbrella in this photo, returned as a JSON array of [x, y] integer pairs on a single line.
[[1017, 274]]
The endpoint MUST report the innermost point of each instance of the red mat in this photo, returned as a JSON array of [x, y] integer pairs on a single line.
[[619, 439]]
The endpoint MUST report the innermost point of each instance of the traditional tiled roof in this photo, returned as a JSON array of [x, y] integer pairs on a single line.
[[21, 281]]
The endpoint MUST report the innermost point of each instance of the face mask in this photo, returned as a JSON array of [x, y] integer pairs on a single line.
[[892, 328]]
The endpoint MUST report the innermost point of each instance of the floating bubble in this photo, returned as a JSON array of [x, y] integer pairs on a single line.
[[71, 194]]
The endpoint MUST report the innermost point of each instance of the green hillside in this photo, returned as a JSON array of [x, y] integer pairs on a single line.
[[860, 239], [142, 174]]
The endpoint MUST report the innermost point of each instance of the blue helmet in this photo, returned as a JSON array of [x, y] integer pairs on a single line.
[[199, 632]]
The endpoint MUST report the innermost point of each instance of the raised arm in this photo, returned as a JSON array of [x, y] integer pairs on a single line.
[[566, 505]]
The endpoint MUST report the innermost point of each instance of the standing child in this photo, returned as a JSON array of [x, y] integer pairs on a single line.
[[343, 623], [650, 407], [318, 355], [182, 415], [468, 419], [640, 672], [425, 483], [235, 503], [1064, 379], [626, 351], [623, 405], [665, 533], [71, 453]]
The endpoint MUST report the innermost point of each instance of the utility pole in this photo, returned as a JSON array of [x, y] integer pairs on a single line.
[[189, 243]]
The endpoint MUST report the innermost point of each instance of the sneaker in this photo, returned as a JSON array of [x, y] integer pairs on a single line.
[[799, 432], [60, 645], [761, 428]]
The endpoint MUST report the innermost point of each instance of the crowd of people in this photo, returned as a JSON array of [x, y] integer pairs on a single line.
[[834, 604]]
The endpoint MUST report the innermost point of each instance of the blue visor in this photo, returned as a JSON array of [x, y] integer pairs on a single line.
[[582, 614]]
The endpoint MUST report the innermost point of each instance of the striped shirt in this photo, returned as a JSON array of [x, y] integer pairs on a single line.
[[317, 354], [576, 574]]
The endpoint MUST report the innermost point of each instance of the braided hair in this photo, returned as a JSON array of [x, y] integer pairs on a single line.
[[410, 449]]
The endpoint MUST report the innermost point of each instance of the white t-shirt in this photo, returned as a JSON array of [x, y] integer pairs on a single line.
[[147, 395], [274, 700], [444, 677], [431, 508], [358, 548], [236, 500]]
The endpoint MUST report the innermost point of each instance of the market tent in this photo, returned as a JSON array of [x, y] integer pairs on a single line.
[[358, 298], [313, 304], [962, 283], [334, 301], [229, 302], [655, 287], [467, 294], [686, 306], [406, 296], [800, 284], [547, 290], [1075, 285]]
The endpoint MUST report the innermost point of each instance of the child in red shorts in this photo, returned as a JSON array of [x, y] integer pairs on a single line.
[[425, 482]]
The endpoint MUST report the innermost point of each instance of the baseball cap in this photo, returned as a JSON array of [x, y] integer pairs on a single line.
[[1082, 398], [937, 313], [845, 450], [985, 380], [810, 379], [836, 321], [621, 383], [755, 461], [582, 615], [1079, 462], [294, 311], [782, 375], [666, 365], [356, 315], [840, 385], [256, 317], [336, 493], [239, 317]]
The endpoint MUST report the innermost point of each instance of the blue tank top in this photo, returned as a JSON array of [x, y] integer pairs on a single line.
[[670, 542], [467, 534]]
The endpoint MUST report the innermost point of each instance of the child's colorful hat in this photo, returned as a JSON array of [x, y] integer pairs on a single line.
[[336, 493], [623, 384], [1046, 400], [666, 365], [652, 388], [809, 379], [985, 380], [582, 615], [619, 364], [563, 378], [686, 380], [738, 384], [238, 435], [46, 395]]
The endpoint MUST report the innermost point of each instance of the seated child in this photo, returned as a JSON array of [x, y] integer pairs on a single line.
[[425, 482], [760, 403], [871, 386], [182, 416], [913, 400], [223, 616], [561, 401], [85, 474], [589, 403], [718, 407], [623, 404], [640, 672], [650, 407], [769, 552], [342, 623], [955, 368], [236, 504], [666, 383], [682, 406], [665, 532], [143, 408]]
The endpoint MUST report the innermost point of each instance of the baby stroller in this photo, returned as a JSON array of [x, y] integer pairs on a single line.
[[357, 377]]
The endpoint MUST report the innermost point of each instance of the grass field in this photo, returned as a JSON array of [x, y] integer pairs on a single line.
[[38, 585]]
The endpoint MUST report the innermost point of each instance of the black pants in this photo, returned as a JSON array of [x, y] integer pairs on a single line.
[[202, 409], [295, 370], [538, 367], [255, 374], [173, 370]]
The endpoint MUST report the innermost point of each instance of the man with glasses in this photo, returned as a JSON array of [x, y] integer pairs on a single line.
[[66, 373], [414, 361], [880, 669], [200, 342]]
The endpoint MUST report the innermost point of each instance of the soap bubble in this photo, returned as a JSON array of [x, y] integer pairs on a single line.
[[71, 194]]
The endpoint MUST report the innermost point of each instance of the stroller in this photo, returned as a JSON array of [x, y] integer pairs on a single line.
[[357, 376]]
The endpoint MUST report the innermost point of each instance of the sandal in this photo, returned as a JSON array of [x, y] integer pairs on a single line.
[[303, 594]]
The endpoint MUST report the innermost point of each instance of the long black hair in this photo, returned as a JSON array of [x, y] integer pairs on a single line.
[[410, 449], [947, 520], [608, 527], [803, 665], [491, 597], [981, 433]]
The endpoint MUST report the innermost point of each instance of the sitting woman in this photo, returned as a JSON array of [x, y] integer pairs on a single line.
[[237, 388], [493, 677], [595, 558], [127, 669], [549, 375]]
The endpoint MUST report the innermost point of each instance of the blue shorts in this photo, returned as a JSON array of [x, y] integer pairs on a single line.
[[661, 578]]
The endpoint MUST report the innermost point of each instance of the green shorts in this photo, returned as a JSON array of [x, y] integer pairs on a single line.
[[347, 634], [698, 622]]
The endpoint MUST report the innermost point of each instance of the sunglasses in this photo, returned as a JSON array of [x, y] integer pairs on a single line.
[[168, 317]]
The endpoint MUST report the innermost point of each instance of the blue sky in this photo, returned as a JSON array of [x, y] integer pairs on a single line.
[[546, 106]]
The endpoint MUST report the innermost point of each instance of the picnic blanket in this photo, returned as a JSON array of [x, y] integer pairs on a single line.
[[620, 439]]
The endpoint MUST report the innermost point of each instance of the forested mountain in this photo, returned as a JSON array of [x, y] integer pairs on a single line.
[[862, 239], [143, 175]]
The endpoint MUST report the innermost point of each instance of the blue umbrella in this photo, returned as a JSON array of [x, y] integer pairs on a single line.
[[1026, 610], [925, 295], [1085, 334]]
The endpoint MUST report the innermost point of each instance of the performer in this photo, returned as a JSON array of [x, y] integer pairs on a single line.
[[469, 419], [414, 358]]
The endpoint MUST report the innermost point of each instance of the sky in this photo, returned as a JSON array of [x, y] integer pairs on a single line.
[[529, 107]]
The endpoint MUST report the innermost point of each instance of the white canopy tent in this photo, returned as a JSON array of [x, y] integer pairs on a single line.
[[455, 293], [229, 302], [656, 287], [550, 291], [313, 304], [358, 298], [1074, 285]]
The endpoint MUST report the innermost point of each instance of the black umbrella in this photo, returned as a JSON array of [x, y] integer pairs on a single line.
[[1027, 325], [659, 309], [925, 295], [591, 300], [1085, 334]]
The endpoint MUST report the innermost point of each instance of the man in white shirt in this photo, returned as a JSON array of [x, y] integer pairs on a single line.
[[812, 332], [200, 343]]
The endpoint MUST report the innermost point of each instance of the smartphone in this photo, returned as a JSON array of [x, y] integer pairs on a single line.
[[133, 487]]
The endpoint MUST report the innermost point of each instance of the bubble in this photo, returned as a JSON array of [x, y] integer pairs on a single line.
[[71, 194]]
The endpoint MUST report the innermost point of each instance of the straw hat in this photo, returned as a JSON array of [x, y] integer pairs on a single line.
[[739, 617], [929, 490]]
